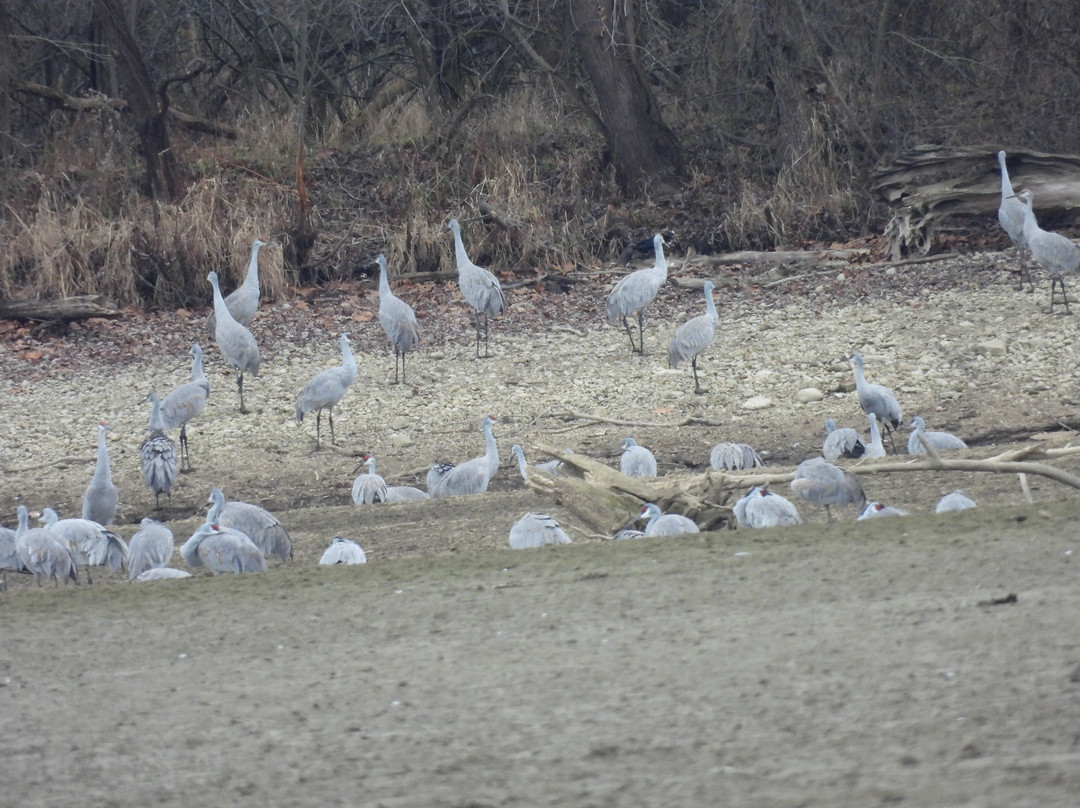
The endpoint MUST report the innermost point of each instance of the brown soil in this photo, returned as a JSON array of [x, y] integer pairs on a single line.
[[830, 664]]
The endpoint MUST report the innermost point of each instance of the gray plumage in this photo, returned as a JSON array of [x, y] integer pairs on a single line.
[[150, 548], [955, 501], [222, 549], [243, 301], [161, 574], [877, 510], [666, 524], [762, 508], [1011, 218], [1052, 251], [536, 530], [637, 461], [237, 345], [939, 440], [875, 448], [369, 488], [733, 457], [343, 551], [548, 466], [186, 402], [46, 555], [101, 497], [472, 476], [694, 336], [397, 319], [628, 533], [254, 521], [822, 483], [327, 389], [842, 442], [479, 287], [90, 543], [404, 493], [157, 455], [435, 476], [876, 398], [635, 291], [9, 549]]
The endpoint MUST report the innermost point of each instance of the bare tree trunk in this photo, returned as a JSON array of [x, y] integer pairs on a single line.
[[7, 69], [163, 174], [644, 150]]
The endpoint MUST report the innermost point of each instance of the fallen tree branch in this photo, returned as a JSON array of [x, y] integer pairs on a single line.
[[570, 415], [64, 310]]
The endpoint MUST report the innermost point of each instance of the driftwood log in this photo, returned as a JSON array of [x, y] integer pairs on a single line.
[[930, 183], [63, 310]]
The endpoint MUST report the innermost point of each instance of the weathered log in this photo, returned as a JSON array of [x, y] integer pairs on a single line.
[[930, 183], [63, 310]]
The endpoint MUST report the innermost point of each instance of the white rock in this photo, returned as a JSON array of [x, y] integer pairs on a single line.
[[992, 347], [808, 395], [757, 403]]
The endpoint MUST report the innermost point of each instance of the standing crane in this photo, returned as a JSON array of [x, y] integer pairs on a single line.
[[397, 319], [46, 555], [243, 301], [101, 497], [186, 402], [636, 461], [470, 477], [876, 398], [536, 530], [1052, 251], [634, 292], [236, 343], [253, 521], [1011, 219], [823, 483], [327, 389], [762, 508], [694, 336], [150, 548], [157, 454], [939, 440], [479, 286], [9, 549]]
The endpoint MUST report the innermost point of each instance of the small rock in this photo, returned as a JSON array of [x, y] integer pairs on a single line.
[[399, 422], [991, 347], [400, 440], [757, 403], [808, 395]]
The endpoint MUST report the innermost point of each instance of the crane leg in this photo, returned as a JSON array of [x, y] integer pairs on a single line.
[[641, 331], [402, 369], [630, 334], [698, 390], [240, 387], [487, 335], [330, 415], [318, 432], [184, 453]]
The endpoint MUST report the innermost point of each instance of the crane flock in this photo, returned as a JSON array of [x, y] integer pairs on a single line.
[[239, 537]]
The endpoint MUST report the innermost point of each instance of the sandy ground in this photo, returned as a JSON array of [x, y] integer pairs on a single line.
[[829, 664]]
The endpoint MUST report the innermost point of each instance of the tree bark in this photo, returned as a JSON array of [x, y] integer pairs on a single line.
[[645, 152], [163, 175]]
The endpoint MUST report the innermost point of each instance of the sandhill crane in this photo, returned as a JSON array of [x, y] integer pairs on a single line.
[[954, 501], [236, 343], [694, 336], [9, 550], [876, 398], [397, 319], [472, 476], [185, 402], [101, 497], [939, 440], [46, 555], [762, 508], [368, 488], [161, 574], [435, 476], [733, 457], [636, 461], [1011, 219], [634, 292], [343, 551], [327, 389], [548, 466], [823, 483], [479, 286], [157, 455], [628, 533], [243, 301], [842, 442], [404, 493], [91, 544], [150, 548], [665, 524], [253, 521], [222, 549], [536, 530], [1052, 251], [876, 510], [875, 448]]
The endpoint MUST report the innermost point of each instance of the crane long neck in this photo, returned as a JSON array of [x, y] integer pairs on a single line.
[[384, 281], [1006, 184], [875, 436], [252, 277], [710, 306], [860, 377], [460, 255], [24, 521], [102, 473], [215, 509], [1031, 226], [521, 462], [221, 311], [197, 372], [492, 453], [157, 422], [370, 463], [348, 362]]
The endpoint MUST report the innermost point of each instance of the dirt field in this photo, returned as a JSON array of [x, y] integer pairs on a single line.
[[830, 664]]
